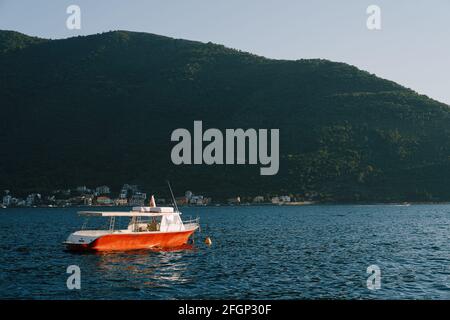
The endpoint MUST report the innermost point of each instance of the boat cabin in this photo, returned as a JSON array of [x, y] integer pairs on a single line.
[[146, 227], [143, 219]]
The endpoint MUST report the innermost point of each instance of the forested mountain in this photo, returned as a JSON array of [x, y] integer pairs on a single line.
[[100, 109]]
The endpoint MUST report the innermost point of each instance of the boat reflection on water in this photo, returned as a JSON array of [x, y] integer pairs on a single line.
[[183, 247], [139, 269]]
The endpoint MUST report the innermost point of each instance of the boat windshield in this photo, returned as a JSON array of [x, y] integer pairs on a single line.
[[164, 222], [134, 224], [144, 224]]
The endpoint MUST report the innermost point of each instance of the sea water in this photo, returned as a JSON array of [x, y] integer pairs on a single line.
[[257, 252]]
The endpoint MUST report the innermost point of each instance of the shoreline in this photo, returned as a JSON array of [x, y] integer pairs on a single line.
[[288, 204]]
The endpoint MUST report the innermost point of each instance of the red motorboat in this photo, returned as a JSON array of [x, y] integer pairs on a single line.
[[148, 228]]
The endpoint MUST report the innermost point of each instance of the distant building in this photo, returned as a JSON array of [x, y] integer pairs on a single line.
[[7, 200], [138, 199], [182, 201], [128, 189], [121, 202], [205, 201], [123, 194], [199, 200], [87, 200], [32, 199], [62, 202], [133, 188], [104, 200], [102, 190], [194, 199], [258, 199], [78, 200], [81, 189], [236, 200], [281, 199]]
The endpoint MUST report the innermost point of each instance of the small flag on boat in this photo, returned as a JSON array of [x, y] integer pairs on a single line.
[[152, 202]]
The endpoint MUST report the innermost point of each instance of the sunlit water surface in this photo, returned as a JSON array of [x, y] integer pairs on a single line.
[[267, 252]]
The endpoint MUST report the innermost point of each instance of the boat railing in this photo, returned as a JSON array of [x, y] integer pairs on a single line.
[[191, 221]]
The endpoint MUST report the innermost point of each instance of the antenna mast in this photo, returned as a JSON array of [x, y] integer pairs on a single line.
[[173, 198]]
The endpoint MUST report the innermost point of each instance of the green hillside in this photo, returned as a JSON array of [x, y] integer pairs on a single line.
[[12, 40], [100, 110]]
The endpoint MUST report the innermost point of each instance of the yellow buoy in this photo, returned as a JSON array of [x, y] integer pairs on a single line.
[[208, 241]]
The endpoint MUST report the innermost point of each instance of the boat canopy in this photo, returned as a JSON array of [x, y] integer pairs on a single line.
[[124, 213], [154, 209]]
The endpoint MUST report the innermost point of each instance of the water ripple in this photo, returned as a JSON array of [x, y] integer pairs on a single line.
[[310, 252]]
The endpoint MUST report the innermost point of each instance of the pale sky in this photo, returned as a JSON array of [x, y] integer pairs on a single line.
[[412, 48]]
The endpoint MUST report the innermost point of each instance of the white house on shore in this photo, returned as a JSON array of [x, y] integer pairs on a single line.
[[102, 190], [281, 199]]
